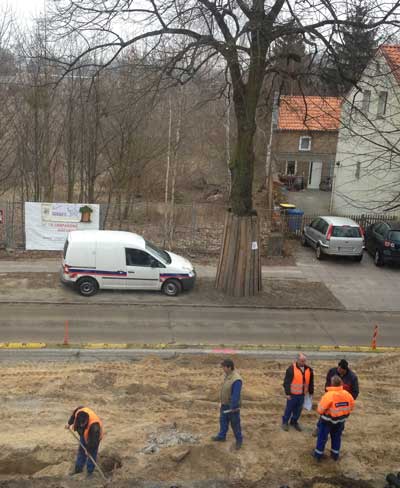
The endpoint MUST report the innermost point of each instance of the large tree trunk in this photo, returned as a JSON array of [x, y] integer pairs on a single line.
[[239, 268]]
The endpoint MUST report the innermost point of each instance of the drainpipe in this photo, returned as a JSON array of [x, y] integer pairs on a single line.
[[337, 164]]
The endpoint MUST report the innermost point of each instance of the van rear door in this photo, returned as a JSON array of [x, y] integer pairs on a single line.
[[143, 272], [110, 265]]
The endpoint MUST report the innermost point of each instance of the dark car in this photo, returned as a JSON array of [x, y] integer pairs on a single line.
[[382, 241]]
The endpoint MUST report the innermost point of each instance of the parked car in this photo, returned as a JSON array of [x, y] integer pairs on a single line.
[[338, 236], [382, 241], [96, 259]]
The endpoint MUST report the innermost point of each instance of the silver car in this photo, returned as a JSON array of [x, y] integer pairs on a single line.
[[338, 236]]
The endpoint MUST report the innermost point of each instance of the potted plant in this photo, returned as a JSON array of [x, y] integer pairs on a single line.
[[85, 213]]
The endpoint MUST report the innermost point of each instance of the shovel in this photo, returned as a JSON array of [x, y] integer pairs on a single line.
[[89, 456]]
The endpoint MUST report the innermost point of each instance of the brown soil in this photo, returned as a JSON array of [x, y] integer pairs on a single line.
[[276, 293], [159, 415]]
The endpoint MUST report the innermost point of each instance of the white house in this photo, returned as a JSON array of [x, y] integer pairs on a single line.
[[367, 165]]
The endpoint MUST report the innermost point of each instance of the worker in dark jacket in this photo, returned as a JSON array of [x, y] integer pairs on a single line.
[[349, 378], [90, 429], [230, 404], [299, 380]]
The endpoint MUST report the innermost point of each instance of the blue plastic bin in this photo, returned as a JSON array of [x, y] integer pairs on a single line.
[[295, 219]]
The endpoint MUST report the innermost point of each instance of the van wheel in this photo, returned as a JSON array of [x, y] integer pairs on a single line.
[[87, 286], [378, 258], [172, 288], [318, 253]]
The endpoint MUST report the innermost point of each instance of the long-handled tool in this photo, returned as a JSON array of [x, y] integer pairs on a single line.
[[88, 455], [232, 410]]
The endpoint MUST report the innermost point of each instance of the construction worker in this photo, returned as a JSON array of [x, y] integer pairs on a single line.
[[349, 378], [230, 404], [90, 429], [299, 380], [334, 408]]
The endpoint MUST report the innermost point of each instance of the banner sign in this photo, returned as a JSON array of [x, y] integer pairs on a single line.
[[47, 224]]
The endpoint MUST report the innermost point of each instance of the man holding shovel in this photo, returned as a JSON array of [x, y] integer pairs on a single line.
[[230, 404], [90, 429]]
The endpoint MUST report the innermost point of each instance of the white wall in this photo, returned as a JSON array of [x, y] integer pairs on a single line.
[[367, 169]]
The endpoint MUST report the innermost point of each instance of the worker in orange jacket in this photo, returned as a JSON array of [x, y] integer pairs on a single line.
[[334, 408], [90, 429]]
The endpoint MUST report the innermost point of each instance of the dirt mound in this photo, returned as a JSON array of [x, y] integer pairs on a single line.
[[159, 416]]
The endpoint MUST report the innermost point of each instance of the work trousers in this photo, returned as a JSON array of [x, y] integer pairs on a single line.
[[324, 430], [82, 458], [233, 419], [293, 409]]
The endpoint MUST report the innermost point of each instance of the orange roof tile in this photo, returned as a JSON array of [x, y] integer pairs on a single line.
[[309, 113], [391, 52]]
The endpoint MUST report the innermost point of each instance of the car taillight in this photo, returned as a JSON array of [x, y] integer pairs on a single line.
[[66, 269], [329, 233], [388, 244], [362, 232]]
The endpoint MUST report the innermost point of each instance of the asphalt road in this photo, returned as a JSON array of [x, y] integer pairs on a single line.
[[194, 325]]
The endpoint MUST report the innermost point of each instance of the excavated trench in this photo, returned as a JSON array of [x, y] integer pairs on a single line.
[[47, 462]]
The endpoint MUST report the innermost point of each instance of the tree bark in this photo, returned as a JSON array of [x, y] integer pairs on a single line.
[[239, 267]]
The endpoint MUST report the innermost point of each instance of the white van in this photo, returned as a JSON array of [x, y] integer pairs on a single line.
[[96, 259]]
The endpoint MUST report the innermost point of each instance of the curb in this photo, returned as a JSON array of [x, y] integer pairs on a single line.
[[191, 305], [212, 348]]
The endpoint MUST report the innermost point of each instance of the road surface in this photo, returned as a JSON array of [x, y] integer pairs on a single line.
[[193, 325]]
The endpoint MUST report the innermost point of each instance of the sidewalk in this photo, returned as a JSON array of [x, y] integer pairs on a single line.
[[354, 286]]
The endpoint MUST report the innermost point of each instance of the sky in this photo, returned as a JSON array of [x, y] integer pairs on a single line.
[[24, 9]]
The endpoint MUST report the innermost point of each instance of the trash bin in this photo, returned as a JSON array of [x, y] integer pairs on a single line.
[[287, 206], [295, 219]]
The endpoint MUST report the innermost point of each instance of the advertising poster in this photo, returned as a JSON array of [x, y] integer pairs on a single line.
[[47, 224]]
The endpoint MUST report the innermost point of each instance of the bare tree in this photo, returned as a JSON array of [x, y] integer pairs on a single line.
[[234, 35]]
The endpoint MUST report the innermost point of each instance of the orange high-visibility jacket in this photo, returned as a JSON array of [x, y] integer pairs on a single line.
[[300, 383], [93, 418], [336, 405]]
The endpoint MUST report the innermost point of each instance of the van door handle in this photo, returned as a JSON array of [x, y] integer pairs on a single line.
[[131, 272]]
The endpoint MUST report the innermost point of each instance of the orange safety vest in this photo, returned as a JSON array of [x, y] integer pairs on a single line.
[[300, 382], [336, 405], [93, 419]]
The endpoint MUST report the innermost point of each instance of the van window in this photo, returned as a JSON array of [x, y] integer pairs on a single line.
[[162, 255], [65, 248], [135, 257], [346, 231]]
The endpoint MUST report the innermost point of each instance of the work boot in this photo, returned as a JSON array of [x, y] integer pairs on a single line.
[[297, 426], [316, 456], [285, 427], [238, 445], [75, 471], [215, 438], [334, 456]]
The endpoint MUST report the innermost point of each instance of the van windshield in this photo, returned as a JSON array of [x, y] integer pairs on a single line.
[[162, 255]]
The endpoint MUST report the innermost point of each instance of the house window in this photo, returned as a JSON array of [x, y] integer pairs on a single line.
[[331, 168], [358, 170], [365, 101], [305, 144], [291, 167], [382, 101]]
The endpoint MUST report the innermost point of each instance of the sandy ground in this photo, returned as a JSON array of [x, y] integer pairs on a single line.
[[37, 287], [159, 415]]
